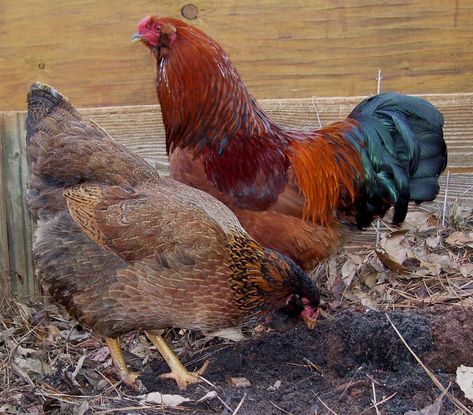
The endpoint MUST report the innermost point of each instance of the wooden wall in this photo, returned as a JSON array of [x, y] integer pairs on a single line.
[[141, 129], [283, 49]]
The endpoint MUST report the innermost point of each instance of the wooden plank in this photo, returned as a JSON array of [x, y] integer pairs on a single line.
[[281, 49], [19, 223], [5, 284], [141, 128]]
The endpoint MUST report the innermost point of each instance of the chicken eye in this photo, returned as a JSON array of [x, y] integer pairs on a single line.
[[158, 28]]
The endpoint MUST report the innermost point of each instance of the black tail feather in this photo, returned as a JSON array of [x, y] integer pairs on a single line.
[[403, 152]]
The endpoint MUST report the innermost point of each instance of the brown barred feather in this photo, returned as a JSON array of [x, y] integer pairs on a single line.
[[123, 249]]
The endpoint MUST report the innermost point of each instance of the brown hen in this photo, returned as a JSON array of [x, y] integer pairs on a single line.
[[126, 250]]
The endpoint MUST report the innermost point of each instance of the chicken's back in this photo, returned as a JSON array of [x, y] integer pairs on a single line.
[[138, 252], [123, 249], [64, 149]]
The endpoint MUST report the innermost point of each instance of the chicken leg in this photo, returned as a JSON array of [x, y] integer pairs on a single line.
[[117, 356], [178, 372]]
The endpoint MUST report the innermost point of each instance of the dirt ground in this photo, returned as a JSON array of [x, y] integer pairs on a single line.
[[353, 363], [349, 361], [338, 364]]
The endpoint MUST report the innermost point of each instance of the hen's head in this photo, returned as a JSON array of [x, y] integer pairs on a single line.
[[156, 32], [302, 304], [270, 284]]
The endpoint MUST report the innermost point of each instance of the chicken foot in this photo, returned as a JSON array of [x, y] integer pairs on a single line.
[[178, 372], [117, 356]]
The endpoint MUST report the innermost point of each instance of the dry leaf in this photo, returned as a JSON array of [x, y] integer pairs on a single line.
[[349, 269], [433, 409], [31, 365], [100, 355], [35, 410], [24, 311], [433, 241], [465, 380], [335, 281], [22, 351], [444, 261], [368, 303], [53, 333], [75, 335], [239, 382], [355, 293], [8, 409], [459, 239], [460, 211], [82, 409], [231, 333], [139, 349], [467, 270], [163, 399], [390, 262], [370, 276], [420, 220], [394, 245]]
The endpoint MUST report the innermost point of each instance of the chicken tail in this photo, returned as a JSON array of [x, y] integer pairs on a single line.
[[64, 149], [47, 112], [403, 152], [47, 109]]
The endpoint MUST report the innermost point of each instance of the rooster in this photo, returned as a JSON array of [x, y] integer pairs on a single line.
[[291, 189], [123, 249]]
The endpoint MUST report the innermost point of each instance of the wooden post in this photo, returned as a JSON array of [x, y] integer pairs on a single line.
[[5, 284], [18, 219], [141, 129]]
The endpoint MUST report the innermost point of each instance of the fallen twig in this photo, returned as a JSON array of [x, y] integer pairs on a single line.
[[282, 410], [240, 404]]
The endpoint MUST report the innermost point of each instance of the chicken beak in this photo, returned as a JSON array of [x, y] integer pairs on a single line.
[[136, 37], [310, 322]]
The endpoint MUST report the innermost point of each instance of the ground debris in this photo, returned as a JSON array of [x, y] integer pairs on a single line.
[[420, 274], [433, 409], [239, 382], [417, 265], [464, 379]]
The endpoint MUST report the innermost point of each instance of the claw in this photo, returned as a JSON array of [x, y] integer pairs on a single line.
[[129, 378], [184, 378], [178, 372]]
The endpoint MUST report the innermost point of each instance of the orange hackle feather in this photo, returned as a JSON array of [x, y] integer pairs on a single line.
[[327, 170]]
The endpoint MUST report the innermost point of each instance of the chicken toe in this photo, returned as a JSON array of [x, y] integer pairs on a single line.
[[178, 372]]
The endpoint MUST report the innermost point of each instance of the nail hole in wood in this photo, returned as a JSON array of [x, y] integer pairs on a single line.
[[190, 11]]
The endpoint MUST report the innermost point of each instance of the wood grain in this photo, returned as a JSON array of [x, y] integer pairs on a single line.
[[281, 49], [141, 128], [19, 223], [5, 284]]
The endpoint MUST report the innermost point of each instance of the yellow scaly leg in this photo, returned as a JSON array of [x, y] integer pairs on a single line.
[[178, 372], [118, 359]]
